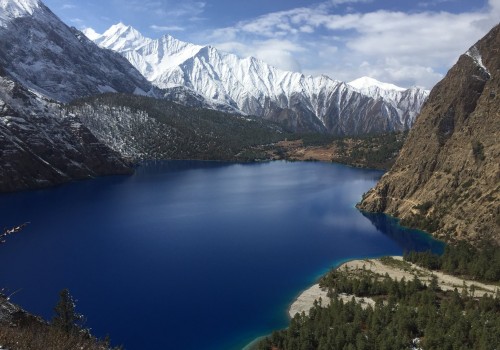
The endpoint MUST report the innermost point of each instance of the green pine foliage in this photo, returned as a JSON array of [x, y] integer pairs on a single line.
[[66, 331], [373, 151], [66, 318], [463, 259], [185, 132], [407, 314]]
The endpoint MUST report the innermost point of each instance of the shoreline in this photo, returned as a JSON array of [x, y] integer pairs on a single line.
[[305, 300], [396, 267], [252, 345]]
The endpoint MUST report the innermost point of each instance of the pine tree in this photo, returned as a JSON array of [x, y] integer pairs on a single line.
[[66, 318]]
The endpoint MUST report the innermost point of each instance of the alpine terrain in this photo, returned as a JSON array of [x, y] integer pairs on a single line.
[[446, 179], [44, 63], [40, 147], [41, 61], [44, 54], [43, 143], [252, 87]]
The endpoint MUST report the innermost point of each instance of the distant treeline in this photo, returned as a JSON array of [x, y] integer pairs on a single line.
[[463, 259], [178, 132], [160, 129], [371, 151]]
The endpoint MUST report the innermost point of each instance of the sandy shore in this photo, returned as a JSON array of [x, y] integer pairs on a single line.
[[306, 299], [398, 270]]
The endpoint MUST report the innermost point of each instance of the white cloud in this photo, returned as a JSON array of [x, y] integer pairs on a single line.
[[278, 53], [77, 21], [157, 28], [341, 2], [68, 6], [169, 9], [414, 48], [187, 9]]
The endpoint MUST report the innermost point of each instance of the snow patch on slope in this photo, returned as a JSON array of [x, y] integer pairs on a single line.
[[10, 9], [476, 56]]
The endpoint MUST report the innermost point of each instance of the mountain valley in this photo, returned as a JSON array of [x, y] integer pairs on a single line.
[[219, 217], [223, 111]]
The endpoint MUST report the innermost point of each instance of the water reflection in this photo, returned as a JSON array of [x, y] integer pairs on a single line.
[[409, 239], [161, 167]]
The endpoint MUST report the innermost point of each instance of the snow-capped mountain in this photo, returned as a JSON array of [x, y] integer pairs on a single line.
[[10, 9], [253, 87], [45, 55], [377, 89], [409, 101]]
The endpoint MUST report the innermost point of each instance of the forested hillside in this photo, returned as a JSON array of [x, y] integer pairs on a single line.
[[145, 128]]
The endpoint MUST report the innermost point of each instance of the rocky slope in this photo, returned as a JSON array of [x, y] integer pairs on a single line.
[[140, 127], [40, 147], [447, 177], [45, 55], [252, 87]]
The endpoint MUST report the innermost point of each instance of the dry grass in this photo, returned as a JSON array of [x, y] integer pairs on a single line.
[[40, 337]]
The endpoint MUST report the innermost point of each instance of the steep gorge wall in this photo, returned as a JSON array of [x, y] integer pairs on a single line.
[[447, 177]]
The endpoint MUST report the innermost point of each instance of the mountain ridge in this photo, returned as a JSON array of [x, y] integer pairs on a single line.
[[44, 54], [40, 146], [254, 87]]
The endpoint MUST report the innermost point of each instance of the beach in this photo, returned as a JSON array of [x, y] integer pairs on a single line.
[[396, 268]]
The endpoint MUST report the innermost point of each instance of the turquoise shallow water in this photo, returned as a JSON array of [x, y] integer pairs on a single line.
[[192, 255]]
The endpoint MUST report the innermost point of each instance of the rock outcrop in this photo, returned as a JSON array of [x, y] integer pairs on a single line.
[[447, 177], [40, 147]]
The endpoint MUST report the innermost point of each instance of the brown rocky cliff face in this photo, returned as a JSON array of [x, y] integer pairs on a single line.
[[447, 177]]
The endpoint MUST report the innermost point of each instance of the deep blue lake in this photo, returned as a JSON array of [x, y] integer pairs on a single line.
[[192, 255]]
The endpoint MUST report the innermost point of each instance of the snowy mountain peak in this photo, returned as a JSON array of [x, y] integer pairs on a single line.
[[176, 45], [10, 9], [252, 86], [117, 29], [91, 34], [48, 57], [119, 37], [367, 82]]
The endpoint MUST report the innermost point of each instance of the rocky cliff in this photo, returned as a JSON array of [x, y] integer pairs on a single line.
[[39, 51], [447, 177], [41, 147]]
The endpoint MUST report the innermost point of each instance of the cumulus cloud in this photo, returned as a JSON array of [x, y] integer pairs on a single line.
[[279, 53], [406, 48]]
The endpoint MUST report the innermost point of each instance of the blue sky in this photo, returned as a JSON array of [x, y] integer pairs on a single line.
[[402, 42]]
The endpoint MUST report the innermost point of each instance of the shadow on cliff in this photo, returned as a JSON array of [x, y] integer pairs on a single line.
[[410, 239]]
